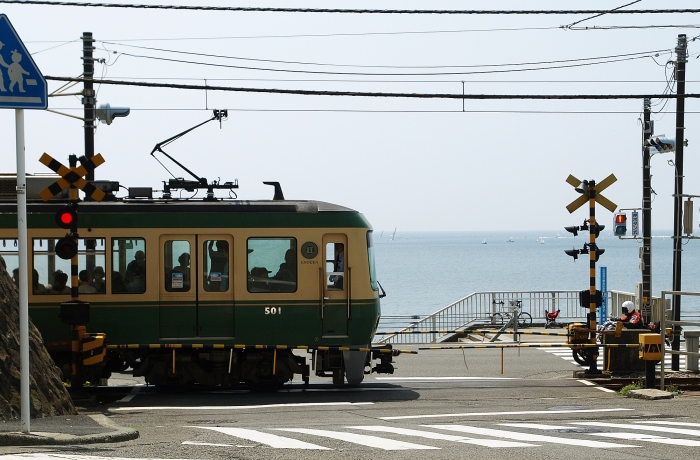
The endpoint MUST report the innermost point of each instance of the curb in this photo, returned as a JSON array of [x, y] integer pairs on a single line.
[[38, 438]]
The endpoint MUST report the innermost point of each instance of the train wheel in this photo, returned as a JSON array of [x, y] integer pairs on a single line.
[[354, 363]]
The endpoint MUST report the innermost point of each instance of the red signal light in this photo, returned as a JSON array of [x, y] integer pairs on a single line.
[[67, 217], [620, 218]]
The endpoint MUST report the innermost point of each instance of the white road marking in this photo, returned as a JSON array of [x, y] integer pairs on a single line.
[[363, 439], [447, 378], [443, 437], [259, 406], [528, 437], [659, 422], [54, 456], [626, 435], [633, 426], [525, 412], [650, 438], [272, 440]]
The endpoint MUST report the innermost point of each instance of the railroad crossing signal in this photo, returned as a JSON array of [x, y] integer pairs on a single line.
[[590, 193], [583, 188], [73, 176]]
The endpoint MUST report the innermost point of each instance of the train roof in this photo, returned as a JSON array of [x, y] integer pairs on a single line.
[[139, 209]]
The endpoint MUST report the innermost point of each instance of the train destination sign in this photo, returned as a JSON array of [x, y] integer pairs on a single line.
[[22, 85]]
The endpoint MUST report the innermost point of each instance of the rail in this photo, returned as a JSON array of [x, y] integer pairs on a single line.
[[477, 310]]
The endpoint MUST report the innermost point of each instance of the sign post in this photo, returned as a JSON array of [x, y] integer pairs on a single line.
[[24, 88]]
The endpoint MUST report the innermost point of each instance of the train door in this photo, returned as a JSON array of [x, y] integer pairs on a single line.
[[196, 299], [335, 310]]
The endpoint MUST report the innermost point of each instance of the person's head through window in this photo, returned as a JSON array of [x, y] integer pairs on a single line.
[[60, 279], [184, 260]]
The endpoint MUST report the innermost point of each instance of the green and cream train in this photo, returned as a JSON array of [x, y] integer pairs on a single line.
[[210, 291]]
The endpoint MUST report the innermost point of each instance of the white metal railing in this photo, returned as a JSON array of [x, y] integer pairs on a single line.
[[665, 322], [477, 310]]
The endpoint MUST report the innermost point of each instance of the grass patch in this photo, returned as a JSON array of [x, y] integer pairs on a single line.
[[638, 385]]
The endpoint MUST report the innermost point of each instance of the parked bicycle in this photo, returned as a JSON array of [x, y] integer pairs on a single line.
[[516, 310]]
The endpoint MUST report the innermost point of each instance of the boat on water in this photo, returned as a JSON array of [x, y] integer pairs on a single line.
[[483, 241], [510, 240]]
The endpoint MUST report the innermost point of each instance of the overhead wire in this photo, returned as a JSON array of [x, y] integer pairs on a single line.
[[321, 72], [344, 10], [190, 53], [373, 94]]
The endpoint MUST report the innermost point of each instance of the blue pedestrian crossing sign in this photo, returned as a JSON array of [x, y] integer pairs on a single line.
[[22, 86]]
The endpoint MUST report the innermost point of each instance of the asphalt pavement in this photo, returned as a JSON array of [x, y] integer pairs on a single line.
[[98, 428]]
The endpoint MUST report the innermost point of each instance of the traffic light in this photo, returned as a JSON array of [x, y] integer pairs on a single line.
[[662, 144], [67, 216], [620, 224], [596, 229], [107, 114], [66, 247]]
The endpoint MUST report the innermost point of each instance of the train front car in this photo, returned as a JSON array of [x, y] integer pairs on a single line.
[[213, 292]]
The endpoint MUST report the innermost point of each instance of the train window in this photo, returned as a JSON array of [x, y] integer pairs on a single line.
[[177, 265], [50, 274], [335, 267], [216, 265], [370, 259], [128, 265], [272, 252]]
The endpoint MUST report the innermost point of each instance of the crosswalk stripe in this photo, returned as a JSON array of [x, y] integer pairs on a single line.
[[664, 422], [650, 438], [527, 437], [626, 435], [631, 426], [279, 442], [366, 440], [442, 436]]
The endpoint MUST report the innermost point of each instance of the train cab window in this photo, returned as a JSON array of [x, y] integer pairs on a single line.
[[335, 267], [128, 266], [177, 265], [217, 259], [51, 274], [272, 265], [372, 267]]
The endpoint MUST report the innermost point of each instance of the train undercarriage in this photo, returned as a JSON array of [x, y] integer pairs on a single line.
[[260, 369]]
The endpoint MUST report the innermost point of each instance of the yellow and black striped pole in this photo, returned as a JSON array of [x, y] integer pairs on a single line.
[[593, 302]]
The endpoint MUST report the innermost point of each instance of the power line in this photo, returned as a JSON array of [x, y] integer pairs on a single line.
[[374, 74], [344, 34], [328, 80], [189, 53], [373, 94], [346, 11]]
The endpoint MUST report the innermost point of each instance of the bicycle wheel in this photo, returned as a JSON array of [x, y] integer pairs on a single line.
[[497, 319], [524, 320]]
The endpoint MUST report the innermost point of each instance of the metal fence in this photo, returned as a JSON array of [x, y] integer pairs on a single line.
[[667, 321], [477, 310]]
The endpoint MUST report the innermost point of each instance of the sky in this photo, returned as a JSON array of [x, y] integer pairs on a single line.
[[412, 164]]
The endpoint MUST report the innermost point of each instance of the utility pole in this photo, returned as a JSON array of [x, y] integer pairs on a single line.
[[89, 98], [646, 213], [681, 59]]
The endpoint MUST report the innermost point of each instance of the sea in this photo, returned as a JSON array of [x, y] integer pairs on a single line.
[[422, 272]]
